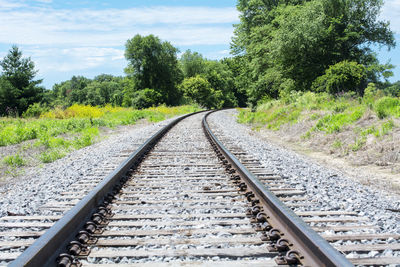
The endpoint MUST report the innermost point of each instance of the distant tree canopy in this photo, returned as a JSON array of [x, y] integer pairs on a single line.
[[18, 89], [154, 76], [288, 44], [218, 74]]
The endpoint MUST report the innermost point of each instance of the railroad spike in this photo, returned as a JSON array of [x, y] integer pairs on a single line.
[[274, 234]]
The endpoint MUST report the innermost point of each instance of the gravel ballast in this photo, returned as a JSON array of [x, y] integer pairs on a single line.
[[25, 194], [328, 188]]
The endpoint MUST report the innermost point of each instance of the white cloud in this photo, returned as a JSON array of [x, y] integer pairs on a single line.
[[6, 5], [82, 40], [186, 25], [73, 59], [391, 12]]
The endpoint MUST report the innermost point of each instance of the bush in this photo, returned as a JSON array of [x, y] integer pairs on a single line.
[[146, 98], [387, 106], [35, 110], [344, 76], [393, 90], [199, 90]]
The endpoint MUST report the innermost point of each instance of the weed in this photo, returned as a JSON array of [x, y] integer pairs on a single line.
[[307, 135], [315, 116], [385, 128], [334, 122], [358, 144], [14, 160], [52, 155], [86, 138], [337, 144]]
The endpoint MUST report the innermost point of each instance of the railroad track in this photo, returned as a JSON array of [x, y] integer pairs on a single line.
[[185, 200]]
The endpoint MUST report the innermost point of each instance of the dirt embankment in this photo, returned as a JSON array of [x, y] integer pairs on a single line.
[[373, 161]]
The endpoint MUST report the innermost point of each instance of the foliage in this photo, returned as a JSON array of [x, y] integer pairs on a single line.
[[18, 89], [393, 89], [334, 122], [236, 66], [330, 113], [76, 120], [35, 110], [14, 160], [153, 64], [146, 98], [199, 90], [75, 111], [288, 44], [52, 155], [192, 64], [220, 78], [387, 106], [342, 77], [103, 89]]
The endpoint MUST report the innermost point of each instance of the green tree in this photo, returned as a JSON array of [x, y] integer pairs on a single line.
[[18, 89], [238, 73], [220, 78], [199, 90], [154, 64], [192, 64], [286, 45], [73, 91]]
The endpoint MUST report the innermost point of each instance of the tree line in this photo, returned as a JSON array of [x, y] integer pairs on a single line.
[[154, 76], [278, 47]]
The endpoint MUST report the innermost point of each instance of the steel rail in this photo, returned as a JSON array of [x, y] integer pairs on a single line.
[[45, 250], [315, 250]]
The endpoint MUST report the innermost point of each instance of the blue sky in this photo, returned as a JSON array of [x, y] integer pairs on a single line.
[[72, 37]]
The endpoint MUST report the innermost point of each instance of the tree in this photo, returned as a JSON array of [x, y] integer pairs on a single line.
[[236, 66], [71, 92], [288, 44], [153, 64], [220, 78], [192, 64], [199, 90], [18, 89]]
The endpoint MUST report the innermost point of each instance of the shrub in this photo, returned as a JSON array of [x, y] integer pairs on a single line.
[[146, 98], [344, 76], [393, 90], [199, 90], [386, 106], [35, 110]]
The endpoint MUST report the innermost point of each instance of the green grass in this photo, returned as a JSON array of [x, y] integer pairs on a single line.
[[61, 131], [329, 115], [52, 155], [358, 144], [15, 131], [332, 113], [331, 123]]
